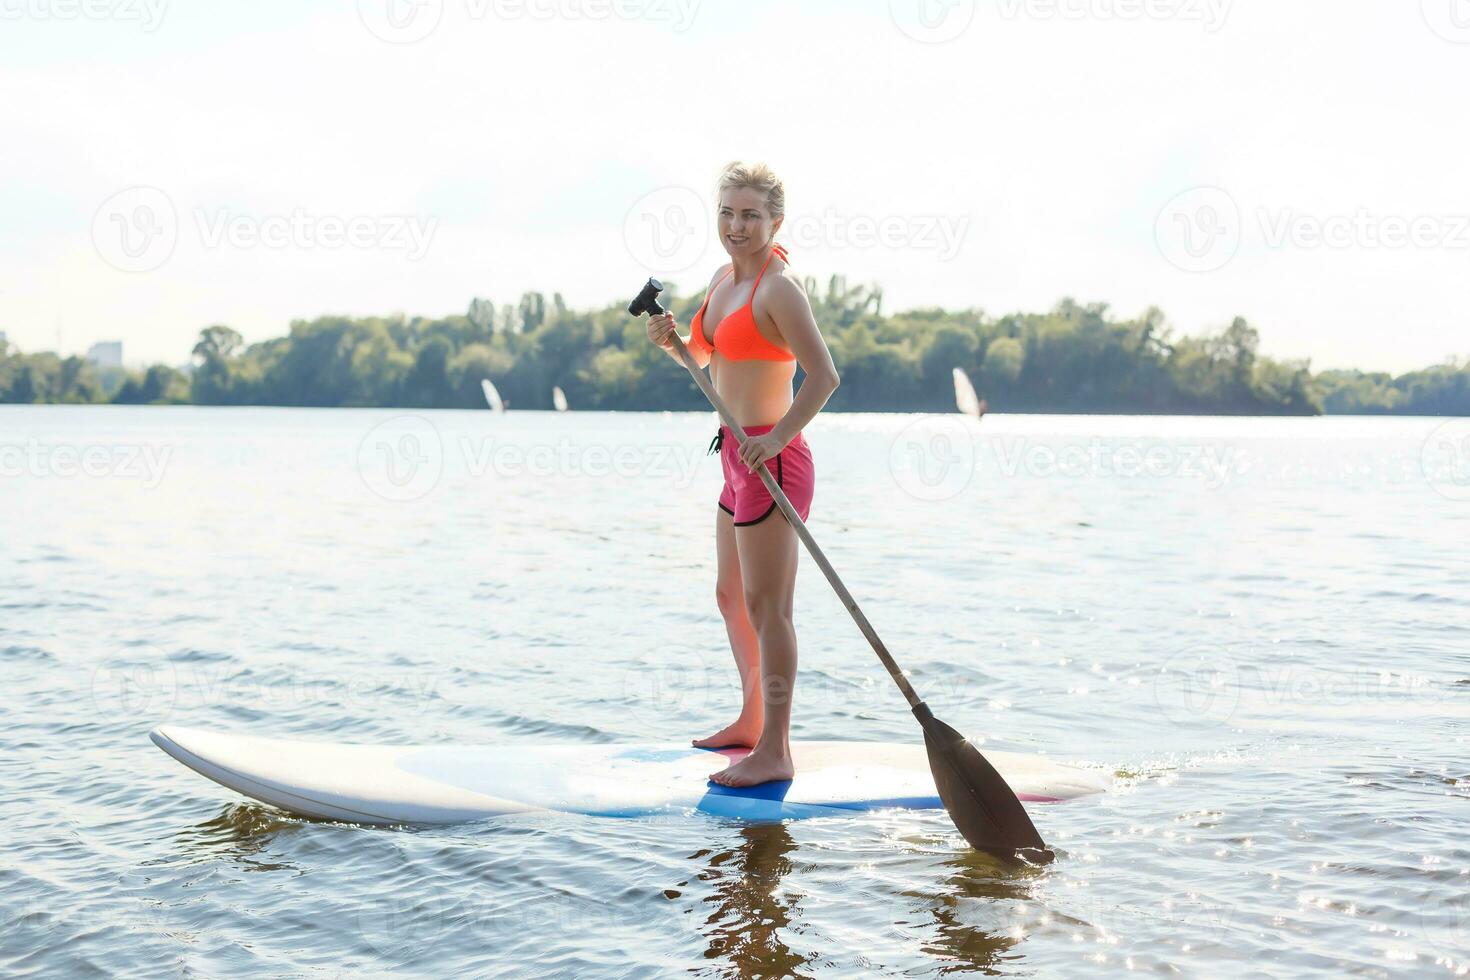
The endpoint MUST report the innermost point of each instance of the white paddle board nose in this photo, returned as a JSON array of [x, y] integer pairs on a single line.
[[173, 739]]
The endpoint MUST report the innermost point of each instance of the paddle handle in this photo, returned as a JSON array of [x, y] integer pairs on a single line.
[[777, 494]]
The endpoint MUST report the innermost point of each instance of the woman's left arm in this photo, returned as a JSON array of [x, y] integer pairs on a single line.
[[792, 312]]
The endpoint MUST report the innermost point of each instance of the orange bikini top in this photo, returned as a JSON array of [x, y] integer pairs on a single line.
[[736, 336]]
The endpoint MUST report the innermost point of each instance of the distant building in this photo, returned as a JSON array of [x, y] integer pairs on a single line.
[[106, 354]]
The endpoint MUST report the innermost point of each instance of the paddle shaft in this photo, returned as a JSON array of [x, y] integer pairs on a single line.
[[777, 494]]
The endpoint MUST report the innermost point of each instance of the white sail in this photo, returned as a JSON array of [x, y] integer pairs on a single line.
[[492, 397], [558, 398], [964, 395]]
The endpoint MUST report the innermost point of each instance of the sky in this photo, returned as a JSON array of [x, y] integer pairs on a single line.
[[169, 166]]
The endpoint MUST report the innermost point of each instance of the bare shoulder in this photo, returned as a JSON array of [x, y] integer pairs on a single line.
[[784, 291]]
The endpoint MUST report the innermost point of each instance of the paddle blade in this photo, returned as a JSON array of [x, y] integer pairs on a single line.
[[981, 804]]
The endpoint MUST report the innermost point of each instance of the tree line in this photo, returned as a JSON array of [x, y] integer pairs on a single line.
[[1074, 358]]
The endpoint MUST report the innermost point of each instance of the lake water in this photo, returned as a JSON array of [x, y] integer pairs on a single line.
[[1259, 629]]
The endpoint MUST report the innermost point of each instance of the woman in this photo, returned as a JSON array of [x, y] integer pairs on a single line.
[[754, 328]]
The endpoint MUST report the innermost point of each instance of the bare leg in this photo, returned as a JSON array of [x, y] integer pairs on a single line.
[[768, 561], [730, 596]]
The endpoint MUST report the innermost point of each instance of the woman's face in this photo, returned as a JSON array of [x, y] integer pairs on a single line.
[[745, 221]]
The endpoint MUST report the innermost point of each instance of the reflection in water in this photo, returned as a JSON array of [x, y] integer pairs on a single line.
[[239, 833], [749, 907], [968, 945], [971, 919]]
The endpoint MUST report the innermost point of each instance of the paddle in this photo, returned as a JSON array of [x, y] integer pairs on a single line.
[[984, 809]]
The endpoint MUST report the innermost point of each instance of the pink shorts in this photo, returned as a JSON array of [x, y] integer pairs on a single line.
[[745, 497]]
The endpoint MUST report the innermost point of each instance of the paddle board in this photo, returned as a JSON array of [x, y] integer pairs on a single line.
[[437, 784]]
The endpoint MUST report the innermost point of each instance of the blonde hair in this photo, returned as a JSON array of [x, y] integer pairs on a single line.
[[758, 176]]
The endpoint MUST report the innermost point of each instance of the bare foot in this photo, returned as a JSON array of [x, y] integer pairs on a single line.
[[761, 766], [743, 733]]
